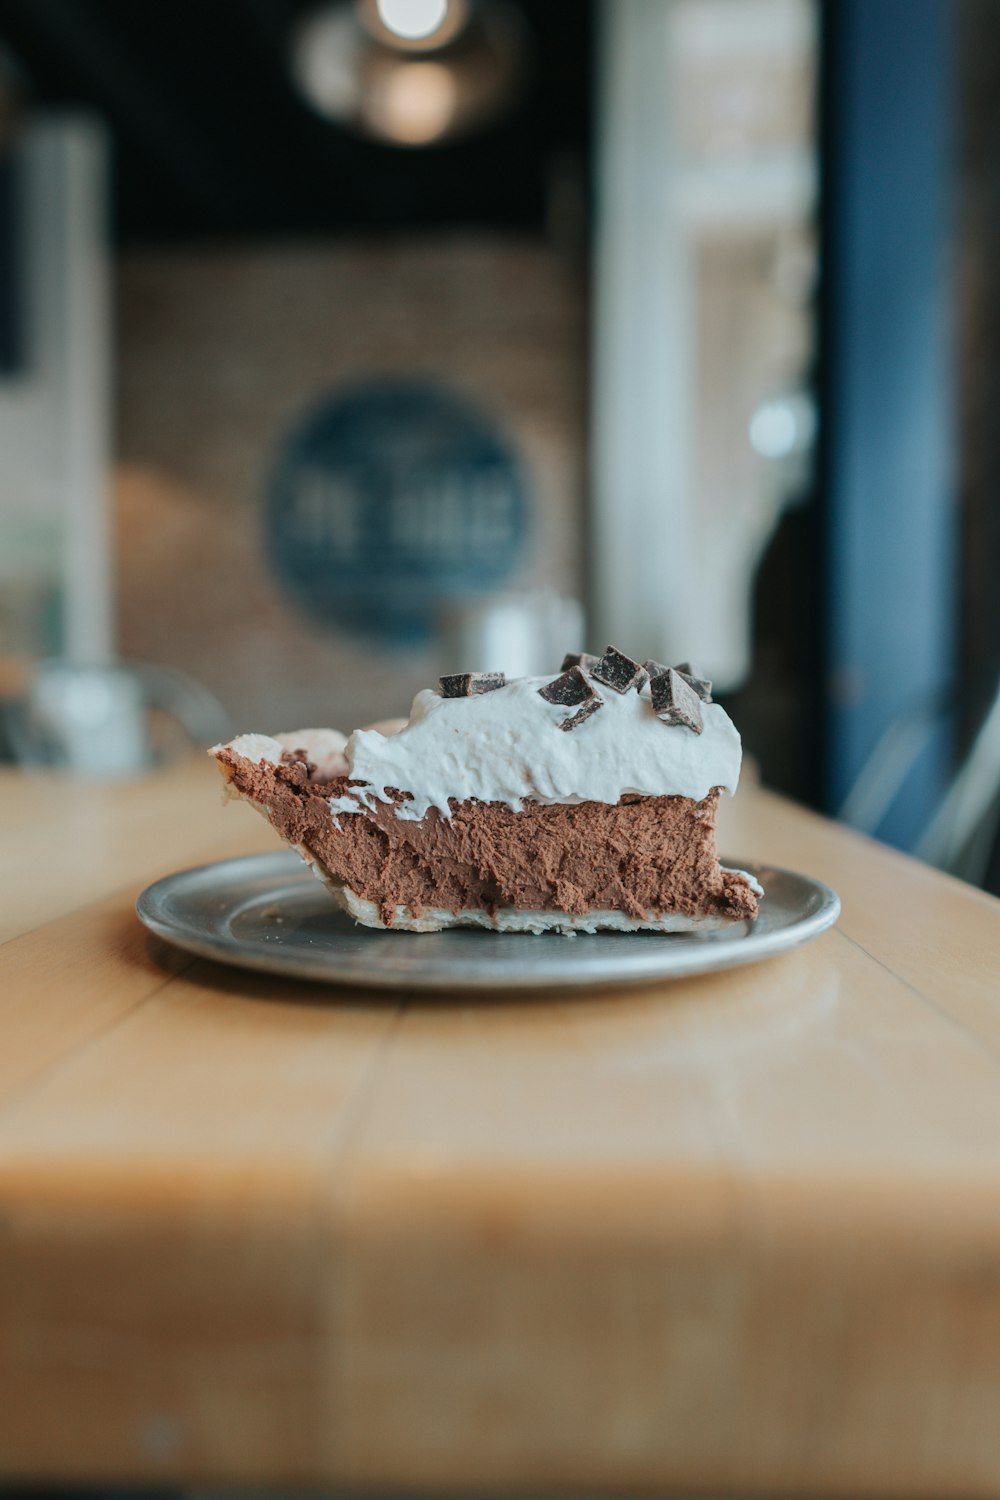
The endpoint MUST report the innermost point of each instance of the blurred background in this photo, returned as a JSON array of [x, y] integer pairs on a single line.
[[346, 343]]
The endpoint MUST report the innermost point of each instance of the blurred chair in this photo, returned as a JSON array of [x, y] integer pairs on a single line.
[[107, 721], [962, 832]]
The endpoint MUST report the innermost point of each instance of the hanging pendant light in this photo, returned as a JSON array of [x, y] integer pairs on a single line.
[[411, 73]]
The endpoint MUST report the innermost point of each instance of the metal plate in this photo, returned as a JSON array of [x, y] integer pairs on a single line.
[[268, 912]]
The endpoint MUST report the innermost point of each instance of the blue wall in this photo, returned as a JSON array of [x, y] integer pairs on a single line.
[[889, 398]]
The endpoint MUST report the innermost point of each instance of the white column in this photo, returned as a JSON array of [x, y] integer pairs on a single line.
[[66, 212], [643, 351]]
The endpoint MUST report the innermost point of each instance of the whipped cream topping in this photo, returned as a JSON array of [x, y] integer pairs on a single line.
[[324, 747], [507, 746], [255, 747]]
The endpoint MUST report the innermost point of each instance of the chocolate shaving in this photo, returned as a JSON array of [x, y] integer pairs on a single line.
[[470, 684], [582, 659], [568, 689], [583, 713], [675, 701], [299, 757], [618, 671]]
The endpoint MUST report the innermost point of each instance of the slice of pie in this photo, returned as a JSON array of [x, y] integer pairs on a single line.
[[574, 802]]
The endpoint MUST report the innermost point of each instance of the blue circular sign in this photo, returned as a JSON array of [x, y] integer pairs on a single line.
[[388, 500]]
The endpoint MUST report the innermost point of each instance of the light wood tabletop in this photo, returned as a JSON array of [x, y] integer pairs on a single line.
[[732, 1234]]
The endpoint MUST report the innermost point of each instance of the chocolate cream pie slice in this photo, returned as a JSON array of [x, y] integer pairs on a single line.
[[575, 802]]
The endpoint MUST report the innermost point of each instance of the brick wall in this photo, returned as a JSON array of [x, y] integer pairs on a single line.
[[221, 350]]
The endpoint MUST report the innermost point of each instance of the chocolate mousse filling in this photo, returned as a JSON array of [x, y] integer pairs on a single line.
[[642, 855]]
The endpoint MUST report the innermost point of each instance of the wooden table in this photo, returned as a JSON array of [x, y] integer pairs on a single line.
[[740, 1233]]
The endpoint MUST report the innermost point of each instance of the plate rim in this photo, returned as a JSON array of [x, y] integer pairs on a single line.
[[702, 957]]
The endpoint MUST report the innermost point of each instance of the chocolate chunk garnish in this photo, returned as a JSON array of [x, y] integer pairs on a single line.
[[568, 689], [485, 682], [618, 671], [701, 685], [583, 713], [694, 679], [675, 701], [582, 659], [470, 684]]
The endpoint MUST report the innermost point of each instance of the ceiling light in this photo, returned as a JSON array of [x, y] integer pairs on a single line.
[[413, 25], [411, 72], [414, 104], [412, 20]]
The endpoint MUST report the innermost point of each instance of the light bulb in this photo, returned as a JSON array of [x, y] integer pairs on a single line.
[[413, 20]]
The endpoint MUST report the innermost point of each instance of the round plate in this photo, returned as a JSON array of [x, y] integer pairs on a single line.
[[269, 912]]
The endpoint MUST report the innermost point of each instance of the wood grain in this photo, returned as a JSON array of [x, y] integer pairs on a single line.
[[65, 843], [738, 1233]]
